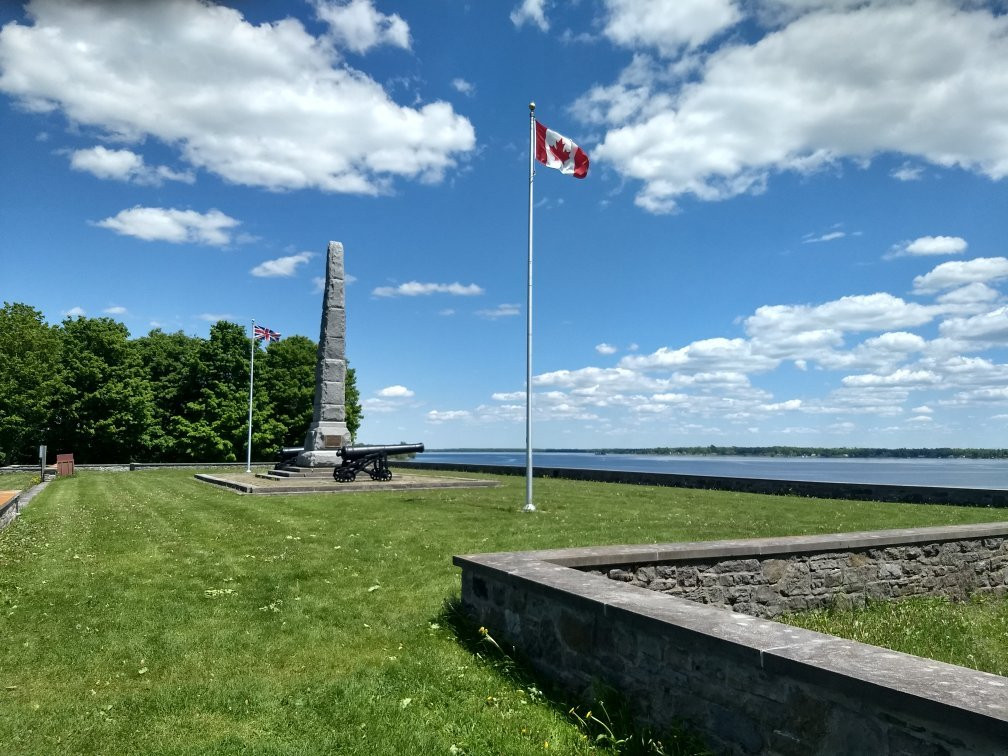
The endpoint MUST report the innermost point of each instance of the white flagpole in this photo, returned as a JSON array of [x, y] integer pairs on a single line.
[[248, 459], [529, 506]]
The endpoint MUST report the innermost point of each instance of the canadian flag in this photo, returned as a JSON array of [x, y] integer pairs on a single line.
[[559, 152]]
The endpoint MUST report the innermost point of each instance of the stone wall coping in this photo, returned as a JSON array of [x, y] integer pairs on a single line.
[[641, 554], [913, 684]]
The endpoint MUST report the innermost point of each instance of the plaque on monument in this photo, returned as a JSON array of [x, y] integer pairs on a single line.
[[328, 431]]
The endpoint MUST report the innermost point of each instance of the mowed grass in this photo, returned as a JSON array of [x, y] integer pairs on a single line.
[[147, 612], [17, 481], [968, 633]]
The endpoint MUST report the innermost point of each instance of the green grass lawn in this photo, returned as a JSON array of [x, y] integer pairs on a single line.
[[17, 481], [968, 633], [147, 612]]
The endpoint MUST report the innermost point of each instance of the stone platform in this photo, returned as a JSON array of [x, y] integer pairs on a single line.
[[261, 484]]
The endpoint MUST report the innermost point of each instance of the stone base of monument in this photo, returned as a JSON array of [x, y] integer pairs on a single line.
[[327, 459], [297, 471]]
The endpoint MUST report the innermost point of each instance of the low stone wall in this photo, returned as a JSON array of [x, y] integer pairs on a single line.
[[768, 585], [750, 685], [969, 497]]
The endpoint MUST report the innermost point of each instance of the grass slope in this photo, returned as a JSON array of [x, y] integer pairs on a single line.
[[146, 612]]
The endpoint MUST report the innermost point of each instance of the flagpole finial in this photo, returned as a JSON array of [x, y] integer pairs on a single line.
[[532, 107]]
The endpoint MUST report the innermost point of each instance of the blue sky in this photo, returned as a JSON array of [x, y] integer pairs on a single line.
[[792, 232]]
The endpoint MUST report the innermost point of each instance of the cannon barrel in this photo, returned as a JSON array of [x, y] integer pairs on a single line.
[[288, 453], [360, 452]]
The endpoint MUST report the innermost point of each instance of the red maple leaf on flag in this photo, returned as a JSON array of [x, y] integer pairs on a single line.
[[557, 148]]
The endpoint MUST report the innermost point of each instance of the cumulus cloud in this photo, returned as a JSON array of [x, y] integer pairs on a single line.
[[930, 245], [171, 225], [531, 12], [124, 165], [970, 294], [959, 273], [991, 327], [357, 26], [417, 289], [908, 172], [604, 348], [465, 87], [862, 312], [444, 416], [115, 310], [668, 25], [201, 79], [395, 392], [282, 266], [806, 96], [75, 312], [707, 354]]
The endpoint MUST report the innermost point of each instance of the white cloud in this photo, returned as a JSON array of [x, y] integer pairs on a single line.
[[959, 273], [115, 310], [500, 311], [827, 237], [991, 327], [970, 294], [923, 409], [806, 96], [201, 79], [704, 355], [124, 165], [417, 289], [668, 25], [283, 266], [902, 377], [171, 225], [395, 392], [357, 26], [531, 12], [75, 312], [465, 87], [446, 313], [931, 245], [443, 416], [908, 172], [870, 312], [604, 348], [318, 284]]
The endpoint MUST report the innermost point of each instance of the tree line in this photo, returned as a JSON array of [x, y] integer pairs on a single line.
[[944, 452], [84, 386]]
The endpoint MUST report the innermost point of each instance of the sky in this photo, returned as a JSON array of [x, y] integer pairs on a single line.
[[793, 228]]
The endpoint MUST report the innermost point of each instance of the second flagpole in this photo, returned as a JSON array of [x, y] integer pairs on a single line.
[[529, 506]]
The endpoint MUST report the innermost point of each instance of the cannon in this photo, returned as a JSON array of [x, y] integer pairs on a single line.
[[370, 459], [288, 454]]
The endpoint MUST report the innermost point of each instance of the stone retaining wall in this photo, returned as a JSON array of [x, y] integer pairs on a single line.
[[770, 585], [967, 497], [749, 685]]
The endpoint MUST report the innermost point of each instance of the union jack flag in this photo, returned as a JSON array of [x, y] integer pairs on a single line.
[[259, 332]]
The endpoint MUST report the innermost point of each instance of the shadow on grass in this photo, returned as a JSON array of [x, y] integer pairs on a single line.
[[609, 722]]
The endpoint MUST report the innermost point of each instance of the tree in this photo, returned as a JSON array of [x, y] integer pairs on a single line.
[[31, 376], [104, 409], [351, 401], [287, 379], [169, 364]]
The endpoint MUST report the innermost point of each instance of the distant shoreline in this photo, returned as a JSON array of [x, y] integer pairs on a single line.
[[766, 451]]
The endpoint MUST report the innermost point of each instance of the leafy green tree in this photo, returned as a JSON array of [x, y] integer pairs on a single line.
[[287, 379], [104, 409], [169, 362], [31, 377], [212, 426], [351, 400]]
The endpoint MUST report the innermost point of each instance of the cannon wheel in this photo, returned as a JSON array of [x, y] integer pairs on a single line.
[[385, 474], [344, 475]]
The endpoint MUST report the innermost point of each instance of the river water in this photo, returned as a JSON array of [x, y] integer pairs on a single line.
[[950, 473]]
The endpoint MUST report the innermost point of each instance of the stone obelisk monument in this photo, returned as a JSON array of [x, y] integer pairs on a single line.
[[328, 430]]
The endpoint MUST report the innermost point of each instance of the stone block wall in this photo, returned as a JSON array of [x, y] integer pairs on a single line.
[[769, 585], [749, 685]]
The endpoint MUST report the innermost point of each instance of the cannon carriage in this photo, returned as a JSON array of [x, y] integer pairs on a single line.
[[370, 459]]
